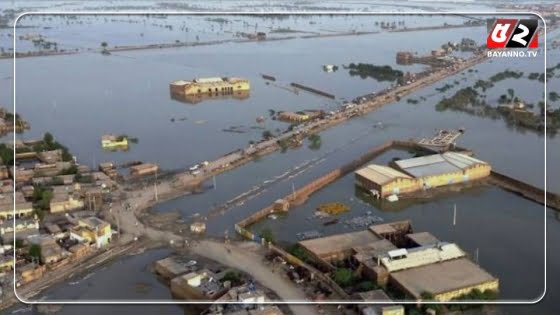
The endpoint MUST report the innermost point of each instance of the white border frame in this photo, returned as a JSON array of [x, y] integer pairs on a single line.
[[346, 302]]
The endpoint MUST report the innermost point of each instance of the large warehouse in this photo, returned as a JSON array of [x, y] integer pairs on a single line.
[[443, 169], [383, 181], [444, 280]]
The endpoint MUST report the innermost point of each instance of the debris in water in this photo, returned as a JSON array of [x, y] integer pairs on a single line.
[[308, 235], [363, 221], [142, 287]]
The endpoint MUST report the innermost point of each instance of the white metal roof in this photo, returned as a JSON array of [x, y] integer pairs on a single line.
[[423, 255], [437, 164], [397, 252]]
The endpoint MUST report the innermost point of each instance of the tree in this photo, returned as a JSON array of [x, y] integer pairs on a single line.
[[73, 169], [343, 277], [40, 213], [366, 286], [66, 156], [315, 140], [233, 276], [46, 197], [284, 145], [104, 45], [19, 243], [267, 134], [42, 197], [48, 139], [35, 252], [427, 296], [6, 154], [298, 251], [267, 235]]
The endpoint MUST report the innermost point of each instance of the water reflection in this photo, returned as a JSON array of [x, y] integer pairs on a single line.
[[403, 204], [198, 98]]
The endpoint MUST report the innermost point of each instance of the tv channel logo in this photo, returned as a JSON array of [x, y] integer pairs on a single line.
[[513, 33]]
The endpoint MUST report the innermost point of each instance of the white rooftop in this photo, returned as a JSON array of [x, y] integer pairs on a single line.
[[447, 162], [180, 82]]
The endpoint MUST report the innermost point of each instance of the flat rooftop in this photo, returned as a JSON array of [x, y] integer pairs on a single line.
[[375, 249], [174, 265], [441, 277], [423, 238], [448, 162], [374, 295], [403, 226], [340, 242], [381, 174]]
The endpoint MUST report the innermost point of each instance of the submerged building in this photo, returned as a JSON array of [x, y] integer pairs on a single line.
[[383, 181], [194, 99], [410, 175], [110, 141], [444, 169], [226, 85]]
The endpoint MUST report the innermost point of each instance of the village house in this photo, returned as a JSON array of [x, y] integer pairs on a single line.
[[51, 169], [23, 229], [63, 202], [23, 208], [6, 186], [49, 157], [92, 230], [54, 230], [21, 175], [51, 252], [6, 263], [79, 250], [29, 272], [202, 285]]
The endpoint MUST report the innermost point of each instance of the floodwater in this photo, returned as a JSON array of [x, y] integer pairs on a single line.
[[130, 277], [78, 98]]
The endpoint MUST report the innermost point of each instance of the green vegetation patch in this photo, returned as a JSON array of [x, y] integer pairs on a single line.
[[49, 144], [379, 73]]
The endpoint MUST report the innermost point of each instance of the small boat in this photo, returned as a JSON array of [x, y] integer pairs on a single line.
[[273, 217], [331, 222]]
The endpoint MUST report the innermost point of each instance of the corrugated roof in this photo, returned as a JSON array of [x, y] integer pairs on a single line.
[[437, 164], [380, 174], [461, 160]]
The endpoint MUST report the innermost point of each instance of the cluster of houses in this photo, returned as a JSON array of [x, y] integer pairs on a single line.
[[190, 281], [56, 207]]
